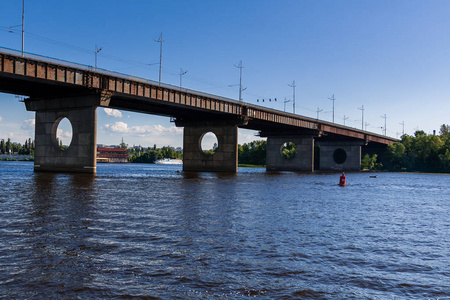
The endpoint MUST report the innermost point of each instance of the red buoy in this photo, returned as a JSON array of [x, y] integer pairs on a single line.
[[342, 180]]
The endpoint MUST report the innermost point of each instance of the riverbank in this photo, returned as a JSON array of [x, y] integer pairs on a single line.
[[4, 157], [251, 166]]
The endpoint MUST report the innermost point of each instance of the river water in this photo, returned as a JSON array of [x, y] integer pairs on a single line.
[[152, 232]]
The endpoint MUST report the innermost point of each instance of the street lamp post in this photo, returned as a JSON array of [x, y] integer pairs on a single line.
[[160, 40], [285, 101], [403, 125], [96, 52], [362, 121], [10, 28], [240, 79], [384, 128], [345, 118], [23, 26], [318, 111], [293, 95], [181, 75], [332, 99]]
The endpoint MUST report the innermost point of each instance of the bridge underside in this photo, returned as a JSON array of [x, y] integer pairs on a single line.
[[80, 156]]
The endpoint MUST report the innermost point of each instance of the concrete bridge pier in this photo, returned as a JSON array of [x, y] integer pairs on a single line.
[[225, 158], [303, 160], [81, 111], [340, 155]]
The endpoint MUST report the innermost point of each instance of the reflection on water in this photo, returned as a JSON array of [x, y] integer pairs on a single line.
[[149, 231], [56, 233]]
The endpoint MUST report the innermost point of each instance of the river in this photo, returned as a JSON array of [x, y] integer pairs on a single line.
[[153, 232]]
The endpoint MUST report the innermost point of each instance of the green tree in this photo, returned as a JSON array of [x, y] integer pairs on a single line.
[[445, 160], [32, 148], [209, 152], [396, 157], [168, 152], [26, 148], [426, 150], [2, 146], [17, 147], [8, 146], [444, 130], [253, 153], [153, 154], [421, 152], [289, 151], [370, 162]]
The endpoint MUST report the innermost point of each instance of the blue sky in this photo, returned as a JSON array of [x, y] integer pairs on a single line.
[[392, 56]]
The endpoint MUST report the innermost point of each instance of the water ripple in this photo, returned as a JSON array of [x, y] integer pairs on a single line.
[[150, 232]]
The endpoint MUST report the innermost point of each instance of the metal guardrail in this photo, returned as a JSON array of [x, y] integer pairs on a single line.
[[101, 71]]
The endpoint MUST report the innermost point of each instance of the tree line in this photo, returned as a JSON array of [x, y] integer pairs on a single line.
[[150, 155], [8, 147], [253, 153], [421, 152]]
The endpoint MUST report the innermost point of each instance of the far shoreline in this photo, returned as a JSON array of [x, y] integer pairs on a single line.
[[31, 159]]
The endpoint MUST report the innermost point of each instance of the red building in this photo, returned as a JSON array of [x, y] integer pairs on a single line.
[[113, 155]]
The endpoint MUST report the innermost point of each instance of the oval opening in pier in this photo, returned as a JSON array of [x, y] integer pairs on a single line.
[[209, 143], [289, 150], [62, 137], [339, 156]]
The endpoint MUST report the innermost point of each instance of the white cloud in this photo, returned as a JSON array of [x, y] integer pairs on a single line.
[[117, 127], [161, 130], [247, 136], [110, 112], [28, 124], [154, 130], [63, 134], [0, 119]]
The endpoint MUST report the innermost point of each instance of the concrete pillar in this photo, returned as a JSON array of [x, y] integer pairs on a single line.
[[225, 158], [303, 161], [340, 156], [81, 154]]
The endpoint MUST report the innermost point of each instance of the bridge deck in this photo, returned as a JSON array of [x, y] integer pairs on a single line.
[[37, 77]]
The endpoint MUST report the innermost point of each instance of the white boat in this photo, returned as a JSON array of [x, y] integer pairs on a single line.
[[169, 161]]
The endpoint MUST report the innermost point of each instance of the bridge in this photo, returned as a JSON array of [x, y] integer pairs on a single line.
[[58, 89]]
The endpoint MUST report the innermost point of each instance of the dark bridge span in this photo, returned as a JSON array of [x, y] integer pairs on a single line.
[[60, 89]]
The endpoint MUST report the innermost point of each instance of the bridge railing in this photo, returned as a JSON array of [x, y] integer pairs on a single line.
[[88, 68]]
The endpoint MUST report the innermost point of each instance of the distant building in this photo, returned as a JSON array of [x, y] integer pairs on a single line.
[[113, 155]]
